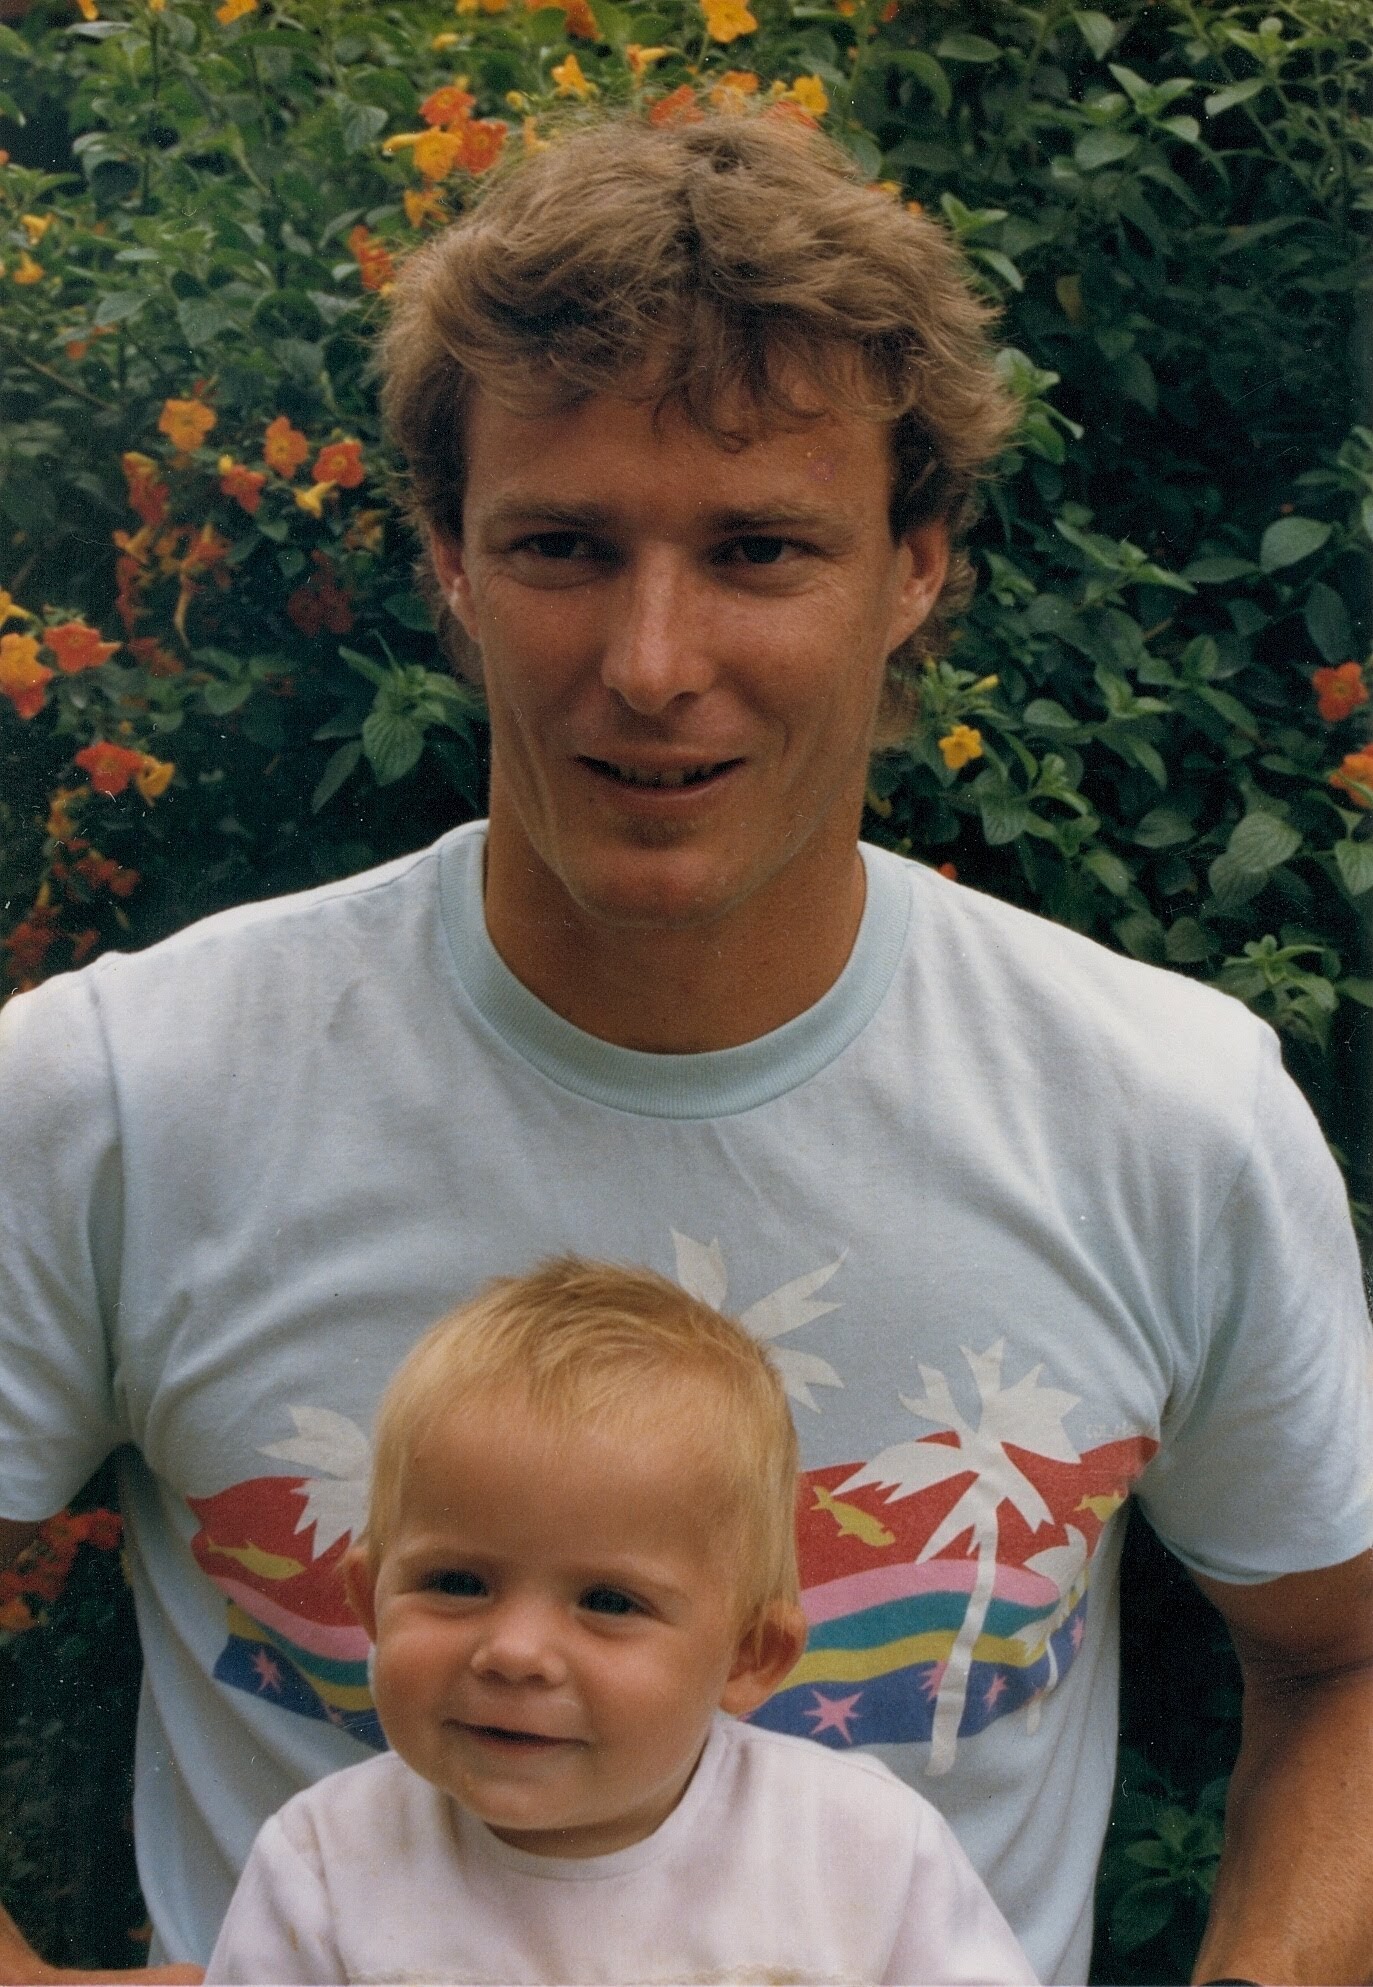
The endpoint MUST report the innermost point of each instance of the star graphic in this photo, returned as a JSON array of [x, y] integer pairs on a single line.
[[333, 1714], [268, 1671], [995, 1690], [833, 1714], [1079, 1629], [931, 1680]]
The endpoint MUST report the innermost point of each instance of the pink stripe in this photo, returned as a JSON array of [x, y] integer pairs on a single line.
[[857, 1591], [345, 1644]]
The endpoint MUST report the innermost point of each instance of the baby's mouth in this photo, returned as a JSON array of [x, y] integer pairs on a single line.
[[506, 1735]]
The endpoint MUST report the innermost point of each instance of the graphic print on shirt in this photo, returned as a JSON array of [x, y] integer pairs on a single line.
[[273, 1545], [945, 1581]]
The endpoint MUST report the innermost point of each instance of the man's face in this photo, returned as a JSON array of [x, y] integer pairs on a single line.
[[554, 1629], [683, 646]]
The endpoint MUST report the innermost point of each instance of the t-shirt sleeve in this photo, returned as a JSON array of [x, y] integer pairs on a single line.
[[950, 1931], [1266, 1464], [61, 1211], [279, 1924]]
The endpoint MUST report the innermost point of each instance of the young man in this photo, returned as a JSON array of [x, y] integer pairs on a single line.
[[580, 1552], [693, 418]]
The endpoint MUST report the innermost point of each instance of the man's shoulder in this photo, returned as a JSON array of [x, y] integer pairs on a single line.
[[839, 1790]]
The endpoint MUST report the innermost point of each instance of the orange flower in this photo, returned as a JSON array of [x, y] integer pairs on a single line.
[[732, 88], [373, 257], [579, 17], [678, 107], [570, 80], [312, 500], [23, 678], [950, 870], [185, 423], [109, 768], [1339, 691], [27, 270], [1355, 774], [153, 777], [421, 205], [89, 10], [367, 532], [284, 448], [35, 226], [482, 140], [104, 873], [60, 826], [640, 59], [77, 647], [241, 484], [447, 106], [151, 655], [726, 20], [341, 463], [10, 610], [148, 495], [234, 10], [437, 152], [15, 1615]]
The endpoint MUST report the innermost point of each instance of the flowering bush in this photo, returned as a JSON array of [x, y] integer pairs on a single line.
[[217, 678]]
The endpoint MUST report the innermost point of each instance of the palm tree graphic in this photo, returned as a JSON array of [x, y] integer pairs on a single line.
[[1029, 1417], [701, 1273]]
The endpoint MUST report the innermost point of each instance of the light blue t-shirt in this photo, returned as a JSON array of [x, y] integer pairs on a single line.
[[1028, 1227]]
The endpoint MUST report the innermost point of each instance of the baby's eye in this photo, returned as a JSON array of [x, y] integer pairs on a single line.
[[609, 1600], [456, 1584]]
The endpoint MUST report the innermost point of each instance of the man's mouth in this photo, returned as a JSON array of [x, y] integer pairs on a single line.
[[659, 777]]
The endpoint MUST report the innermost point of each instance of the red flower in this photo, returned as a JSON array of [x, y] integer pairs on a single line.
[[1355, 775], [109, 767], [678, 107], [241, 484], [482, 140], [448, 106], [284, 448], [1339, 691], [148, 495], [321, 602], [375, 266], [77, 647], [341, 463]]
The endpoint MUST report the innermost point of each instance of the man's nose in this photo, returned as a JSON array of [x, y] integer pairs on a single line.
[[653, 653], [520, 1643]]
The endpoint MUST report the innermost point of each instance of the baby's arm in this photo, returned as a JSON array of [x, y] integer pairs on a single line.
[[279, 1924], [950, 1930]]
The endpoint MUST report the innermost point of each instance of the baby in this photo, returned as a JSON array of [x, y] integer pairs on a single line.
[[579, 1554]]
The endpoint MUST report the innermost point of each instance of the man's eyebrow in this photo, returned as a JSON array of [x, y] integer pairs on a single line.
[[592, 516]]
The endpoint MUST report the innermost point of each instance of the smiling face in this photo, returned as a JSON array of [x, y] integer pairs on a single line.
[[553, 1630], [683, 648]]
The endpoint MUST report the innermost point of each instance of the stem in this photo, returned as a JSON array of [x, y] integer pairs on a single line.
[[155, 59]]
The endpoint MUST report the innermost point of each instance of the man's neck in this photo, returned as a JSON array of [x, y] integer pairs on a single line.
[[684, 990]]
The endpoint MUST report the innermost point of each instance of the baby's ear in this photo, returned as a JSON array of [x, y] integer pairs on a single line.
[[360, 1584], [769, 1648]]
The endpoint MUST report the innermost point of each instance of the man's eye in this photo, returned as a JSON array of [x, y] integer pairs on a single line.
[[758, 550], [457, 1585], [560, 545], [609, 1600]]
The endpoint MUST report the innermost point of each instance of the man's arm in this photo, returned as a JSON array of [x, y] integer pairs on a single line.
[[1294, 1893], [20, 1965]]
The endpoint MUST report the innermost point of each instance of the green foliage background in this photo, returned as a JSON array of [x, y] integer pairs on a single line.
[[1169, 198]]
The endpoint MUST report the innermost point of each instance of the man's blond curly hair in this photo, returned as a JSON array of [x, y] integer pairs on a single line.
[[737, 269]]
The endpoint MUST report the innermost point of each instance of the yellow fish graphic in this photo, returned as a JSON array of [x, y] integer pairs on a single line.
[[267, 1565], [852, 1522], [1102, 1508]]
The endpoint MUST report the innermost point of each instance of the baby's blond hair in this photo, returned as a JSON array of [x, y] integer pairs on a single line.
[[593, 1345]]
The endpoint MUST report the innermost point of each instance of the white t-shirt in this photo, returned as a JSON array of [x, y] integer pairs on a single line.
[[783, 1861], [1028, 1226]]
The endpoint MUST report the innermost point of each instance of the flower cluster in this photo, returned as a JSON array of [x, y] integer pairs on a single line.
[[38, 1576]]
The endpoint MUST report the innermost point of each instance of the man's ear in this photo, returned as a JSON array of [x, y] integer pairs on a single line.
[[927, 548], [450, 570], [360, 1585], [767, 1651]]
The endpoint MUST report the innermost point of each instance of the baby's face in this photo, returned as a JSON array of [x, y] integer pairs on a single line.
[[553, 1628]]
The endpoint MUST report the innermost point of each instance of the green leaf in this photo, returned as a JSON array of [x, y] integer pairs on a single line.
[[360, 123], [203, 318], [1002, 264], [393, 744], [1233, 883], [960, 47], [221, 698], [1226, 99], [1043, 714], [1356, 866], [1366, 516], [1187, 942], [411, 610], [1109, 871], [1290, 540], [1185, 128], [1261, 841], [1103, 148], [1142, 936], [1215, 571], [1141, 1912], [1359, 990], [1004, 812], [1328, 624], [335, 773], [928, 72], [1163, 828], [1098, 32], [119, 305]]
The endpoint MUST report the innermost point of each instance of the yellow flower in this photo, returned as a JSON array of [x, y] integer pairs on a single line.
[[234, 10], [727, 19], [959, 746], [89, 10], [446, 40], [312, 500], [185, 423], [157, 6], [640, 58], [423, 204], [27, 270], [570, 80], [10, 610], [154, 776], [809, 93], [35, 226], [481, 6], [437, 152]]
